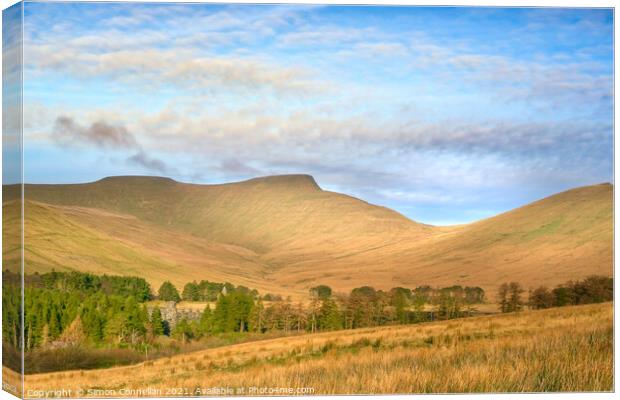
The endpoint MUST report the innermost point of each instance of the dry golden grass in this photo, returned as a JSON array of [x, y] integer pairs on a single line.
[[11, 381], [91, 240], [564, 349], [284, 235], [562, 237]]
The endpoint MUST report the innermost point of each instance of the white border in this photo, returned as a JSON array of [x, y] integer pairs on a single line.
[[478, 3]]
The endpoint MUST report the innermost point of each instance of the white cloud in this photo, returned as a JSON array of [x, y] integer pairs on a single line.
[[238, 93], [154, 67]]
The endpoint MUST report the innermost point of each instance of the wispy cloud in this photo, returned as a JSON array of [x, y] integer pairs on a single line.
[[154, 67], [427, 110]]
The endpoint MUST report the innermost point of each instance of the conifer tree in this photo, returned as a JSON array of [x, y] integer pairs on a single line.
[[329, 318], [183, 331], [220, 315], [191, 292], [157, 322], [205, 325], [168, 292]]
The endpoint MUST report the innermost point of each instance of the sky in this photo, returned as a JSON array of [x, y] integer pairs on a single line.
[[447, 115]]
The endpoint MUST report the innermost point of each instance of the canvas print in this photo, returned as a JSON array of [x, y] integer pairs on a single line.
[[236, 199]]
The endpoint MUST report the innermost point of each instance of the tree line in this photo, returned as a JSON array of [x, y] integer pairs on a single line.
[[73, 310], [63, 308], [124, 286], [244, 311], [200, 291], [593, 289]]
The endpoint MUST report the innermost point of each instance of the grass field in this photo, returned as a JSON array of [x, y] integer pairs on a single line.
[[562, 349]]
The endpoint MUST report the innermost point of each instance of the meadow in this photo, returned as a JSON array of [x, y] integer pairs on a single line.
[[558, 349]]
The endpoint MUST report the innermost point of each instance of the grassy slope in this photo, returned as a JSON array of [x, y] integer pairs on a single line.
[[564, 349], [286, 234], [261, 214], [96, 241], [11, 236], [562, 237], [551, 240]]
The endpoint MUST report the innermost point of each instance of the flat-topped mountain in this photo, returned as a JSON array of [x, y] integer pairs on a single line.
[[262, 214], [284, 234]]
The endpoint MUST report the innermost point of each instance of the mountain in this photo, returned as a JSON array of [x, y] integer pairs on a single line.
[[283, 234], [565, 236]]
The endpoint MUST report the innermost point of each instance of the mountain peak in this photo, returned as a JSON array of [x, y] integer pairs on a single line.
[[294, 181], [135, 178]]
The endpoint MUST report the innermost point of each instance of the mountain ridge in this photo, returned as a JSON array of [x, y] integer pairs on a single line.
[[285, 233], [283, 180]]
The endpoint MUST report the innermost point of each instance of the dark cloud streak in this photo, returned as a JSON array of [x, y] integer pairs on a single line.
[[101, 134], [105, 136], [144, 160]]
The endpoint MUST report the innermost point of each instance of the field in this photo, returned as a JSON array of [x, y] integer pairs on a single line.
[[284, 234], [560, 349]]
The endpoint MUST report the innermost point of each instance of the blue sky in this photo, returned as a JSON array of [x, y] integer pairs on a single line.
[[447, 115]]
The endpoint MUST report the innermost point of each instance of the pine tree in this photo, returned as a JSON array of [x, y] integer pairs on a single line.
[[183, 331], [329, 318], [239, 311], [157, 322], [168, 292], [205, 325], [220, 315], [191, 292]]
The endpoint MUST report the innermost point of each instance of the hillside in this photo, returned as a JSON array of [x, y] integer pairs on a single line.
[[554, 350], [261, 214], [564, 236], [283, 234], [101, 242], [551, 240]]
